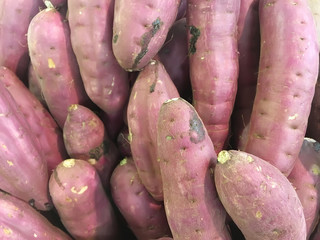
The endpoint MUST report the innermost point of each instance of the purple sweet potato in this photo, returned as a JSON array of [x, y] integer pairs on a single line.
[[137, 38], [187, 158], [105, 82], [182, 10], [145, 216], [81, 201], [174, 57], [34, 86], [85, 138], [55, 64], [41, 123], [18, 220], [23, 169], [15, 17], [258, 197], [305, 178], [288, 70], [213, 58], [152, 88], [249, 51]]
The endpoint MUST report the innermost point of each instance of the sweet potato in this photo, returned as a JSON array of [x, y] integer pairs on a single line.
[[213, 58], [105, 82], [81, 201], [258, 197], [85, 138], [137, 38], [305, 178], [187, 159], [18, 220], [174, 57], [55, 64], [288, 70], [41, 123], [15, 17], [249, 52], [23, 169], [145, 216], [152, 88]]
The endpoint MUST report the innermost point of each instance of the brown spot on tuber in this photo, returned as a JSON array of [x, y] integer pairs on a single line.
[[99, 151], [196, 131]]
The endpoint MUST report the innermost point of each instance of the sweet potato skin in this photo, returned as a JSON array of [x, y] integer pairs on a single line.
[[145, 216], [258, 197], [288, 72], [41, 123], [55, 63], [212, 37], [187, 159], [306, 181], [138, 38], [19, 220], [152, 88], [81, 201]]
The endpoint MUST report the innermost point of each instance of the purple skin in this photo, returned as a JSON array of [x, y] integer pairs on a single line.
[[23, 169], [137, 38], [123, 142], [81, 201], [213, 58], [41, 123], [145, 216], [34, 86], [258, 197], [187, 159], [182, 10], [18, 220], [288, 70], [85, 138], [55, 63], [174, 57], [249, 52], [105, 82], [15, 17], [152, 88], [305, 178]]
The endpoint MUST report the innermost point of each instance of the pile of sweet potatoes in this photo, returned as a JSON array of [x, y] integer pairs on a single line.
[[145, 120]]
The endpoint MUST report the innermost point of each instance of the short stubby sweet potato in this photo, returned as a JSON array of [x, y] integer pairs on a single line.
[[213, 59], [81, 201], [18, 220], [258, 197], [144, 215], [288, 70], [23, 169], [54, 63], [152, 88], [305, 178], [137, 38], [187, 158]]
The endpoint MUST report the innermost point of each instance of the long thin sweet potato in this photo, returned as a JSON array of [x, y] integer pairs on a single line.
[[187, 159], [213, 56], [288, 70]]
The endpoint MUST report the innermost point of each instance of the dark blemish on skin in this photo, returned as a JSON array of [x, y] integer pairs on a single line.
[[56, 177], [48, 206], [115, 38], [31, 202], [316, 146], [195, 32], [196, 132], [97, 152], [145, 40], [156, 76], [152, 87]]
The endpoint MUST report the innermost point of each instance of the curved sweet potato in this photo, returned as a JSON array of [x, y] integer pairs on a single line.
[[258, 197], [287, 77], [81, 201], [145, 216], [152, 88], [137, 38], [213, 58], [55, 64], [187, 159]]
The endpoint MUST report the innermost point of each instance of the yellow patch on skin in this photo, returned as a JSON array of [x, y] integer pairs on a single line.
[[51, 63], [4, 146], [81, 191], [123, 162], [7, 231], [315, 169], [250, 159], [92, 161], [169, 137], [258, 214], [69, 163], [293, 117], [10, 163], [35, 235], [73, 107], [224, 156], [68, 199], [259, 168]]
